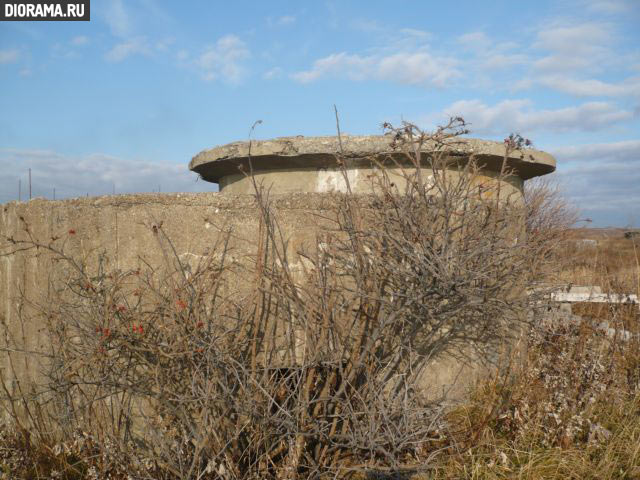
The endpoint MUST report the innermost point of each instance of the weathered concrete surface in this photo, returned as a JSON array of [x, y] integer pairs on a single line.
[[309, 163], [120, 230], [361, 180], [593, 297]]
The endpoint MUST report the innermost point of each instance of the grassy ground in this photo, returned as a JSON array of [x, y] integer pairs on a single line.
[[613, 262], [571, 411]]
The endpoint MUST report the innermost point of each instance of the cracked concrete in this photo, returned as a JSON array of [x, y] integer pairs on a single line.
[[297, 158], [120, 229]]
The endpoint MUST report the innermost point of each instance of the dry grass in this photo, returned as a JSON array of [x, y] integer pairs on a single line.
[[310, 372], [572, 411], [612, 263]]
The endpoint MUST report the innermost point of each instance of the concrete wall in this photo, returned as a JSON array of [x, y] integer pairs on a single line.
[[326, 180], [120, 228]]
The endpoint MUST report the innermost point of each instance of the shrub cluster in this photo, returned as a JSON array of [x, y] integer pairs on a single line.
[[316, 368]]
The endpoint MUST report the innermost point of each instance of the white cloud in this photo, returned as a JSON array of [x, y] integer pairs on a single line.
[[578, 47], [591, 87], [9, 55], [420, 68], [415, 33], [410, 68], [281, 21], [608, 194], [80, 40], [124, 20], [70, 49], [224, 60], [519, 115], [352, 66], [608, 7], [571, 57], [602, 179], [393, 38], [368, 25], [272, 74], [95, 174], [489, 55], [133, 46], [566, 57], [499, 61], [118, 19], [578, 38], [182, 55], [475, 41], [614, 151], [163, 45]]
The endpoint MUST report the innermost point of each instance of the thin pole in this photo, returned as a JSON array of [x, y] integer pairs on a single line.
[[54, 193], [29, 184], [19, 190]]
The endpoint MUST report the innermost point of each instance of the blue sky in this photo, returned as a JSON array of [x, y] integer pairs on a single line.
[[124, 101]]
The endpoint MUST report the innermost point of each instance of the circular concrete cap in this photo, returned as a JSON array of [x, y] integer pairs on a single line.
[[322, 152]]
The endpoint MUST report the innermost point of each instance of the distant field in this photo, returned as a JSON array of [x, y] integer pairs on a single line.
[[604, 257], [572, 409], [602, 233]]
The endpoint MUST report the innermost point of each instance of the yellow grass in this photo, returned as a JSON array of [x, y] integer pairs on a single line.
[[572, 411], [613, 263]]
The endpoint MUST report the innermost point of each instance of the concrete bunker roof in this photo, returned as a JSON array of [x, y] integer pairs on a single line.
[[320, 152]]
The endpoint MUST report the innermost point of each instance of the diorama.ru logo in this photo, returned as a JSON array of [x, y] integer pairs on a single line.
[[76, 10]]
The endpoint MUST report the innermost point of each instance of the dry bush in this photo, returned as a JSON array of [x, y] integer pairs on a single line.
[[315, 371], [570, 412], [572, 409], [550, 216]]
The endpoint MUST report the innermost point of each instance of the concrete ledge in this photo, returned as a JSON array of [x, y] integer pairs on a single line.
[[320, 152], [572, 297]]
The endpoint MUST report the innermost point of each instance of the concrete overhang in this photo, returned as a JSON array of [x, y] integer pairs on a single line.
[[322, 152]]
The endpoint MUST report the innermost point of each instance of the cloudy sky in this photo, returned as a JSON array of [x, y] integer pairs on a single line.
[[122, 103]]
